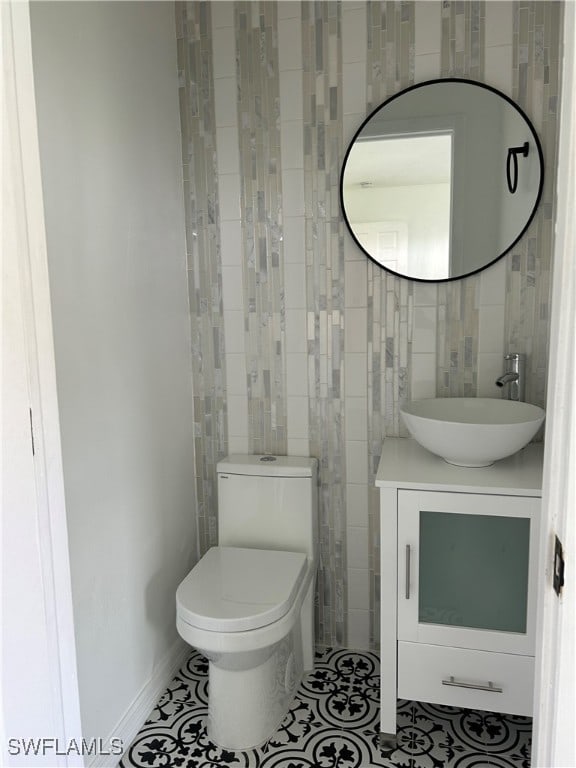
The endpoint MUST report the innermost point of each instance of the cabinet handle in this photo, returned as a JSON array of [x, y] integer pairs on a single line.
[[491, 688], [407, 571]]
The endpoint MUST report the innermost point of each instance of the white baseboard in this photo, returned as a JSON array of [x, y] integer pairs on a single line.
[[136, 714]]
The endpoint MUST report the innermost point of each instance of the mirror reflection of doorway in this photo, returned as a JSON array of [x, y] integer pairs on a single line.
[[399, 199]]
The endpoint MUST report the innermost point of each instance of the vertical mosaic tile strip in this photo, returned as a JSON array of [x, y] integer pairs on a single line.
[[261, 210], [462, 51], [457, 341], [462, 55], [194, 47], [321, 49], [390, 68], [536, 49], [390, 65]]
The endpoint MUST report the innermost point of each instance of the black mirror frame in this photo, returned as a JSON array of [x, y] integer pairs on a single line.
[[393, 98]]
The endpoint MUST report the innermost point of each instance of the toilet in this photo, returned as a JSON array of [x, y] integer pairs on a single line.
[[248, 604]]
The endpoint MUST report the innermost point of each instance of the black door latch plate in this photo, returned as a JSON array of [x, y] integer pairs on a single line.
[[558, 580]]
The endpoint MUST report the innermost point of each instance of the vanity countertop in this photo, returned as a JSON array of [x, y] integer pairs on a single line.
[[405, 464]]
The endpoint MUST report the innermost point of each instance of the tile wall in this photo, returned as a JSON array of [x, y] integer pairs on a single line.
[[302, 345]]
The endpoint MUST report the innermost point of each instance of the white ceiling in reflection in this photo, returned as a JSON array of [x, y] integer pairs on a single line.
[[400, 161]]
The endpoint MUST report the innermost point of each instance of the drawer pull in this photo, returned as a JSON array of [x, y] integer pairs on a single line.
[[407, 571], [491, 688]]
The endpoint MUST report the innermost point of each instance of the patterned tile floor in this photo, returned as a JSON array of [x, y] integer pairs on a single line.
[[333, 723]]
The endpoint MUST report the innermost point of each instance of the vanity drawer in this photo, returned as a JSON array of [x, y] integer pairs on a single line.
[[422, 668]]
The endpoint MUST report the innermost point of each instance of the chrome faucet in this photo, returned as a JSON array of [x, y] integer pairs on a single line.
[[513, 376]]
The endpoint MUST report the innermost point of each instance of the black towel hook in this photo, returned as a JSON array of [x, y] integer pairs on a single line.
[[512, 165]]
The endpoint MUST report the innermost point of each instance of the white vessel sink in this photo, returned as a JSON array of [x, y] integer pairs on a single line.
[[472, 431]]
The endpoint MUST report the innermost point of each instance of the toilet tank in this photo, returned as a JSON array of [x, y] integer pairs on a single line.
[[268, 502]]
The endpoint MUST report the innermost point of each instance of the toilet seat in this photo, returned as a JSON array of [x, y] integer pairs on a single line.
[[232, 589]]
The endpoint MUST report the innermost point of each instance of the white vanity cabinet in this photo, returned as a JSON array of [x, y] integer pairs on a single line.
[[459, 569]]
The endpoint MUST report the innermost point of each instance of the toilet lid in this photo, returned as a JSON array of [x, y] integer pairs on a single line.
[[233, 589]]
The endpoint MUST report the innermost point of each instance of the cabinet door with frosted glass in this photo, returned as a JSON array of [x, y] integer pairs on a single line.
[[467, 570]]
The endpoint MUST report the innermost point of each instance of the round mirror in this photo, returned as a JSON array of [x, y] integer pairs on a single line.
[[441, 180]]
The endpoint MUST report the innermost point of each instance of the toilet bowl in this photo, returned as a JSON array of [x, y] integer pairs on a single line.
[[250, 612], [248, 604]]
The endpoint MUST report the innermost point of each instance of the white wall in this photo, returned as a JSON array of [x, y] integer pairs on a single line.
[[39, 687], [107, 101]]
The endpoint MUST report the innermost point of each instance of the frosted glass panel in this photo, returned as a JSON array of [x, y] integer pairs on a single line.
[[474, 571]]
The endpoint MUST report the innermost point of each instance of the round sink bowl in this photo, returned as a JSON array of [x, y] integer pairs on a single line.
[[472, 431]]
